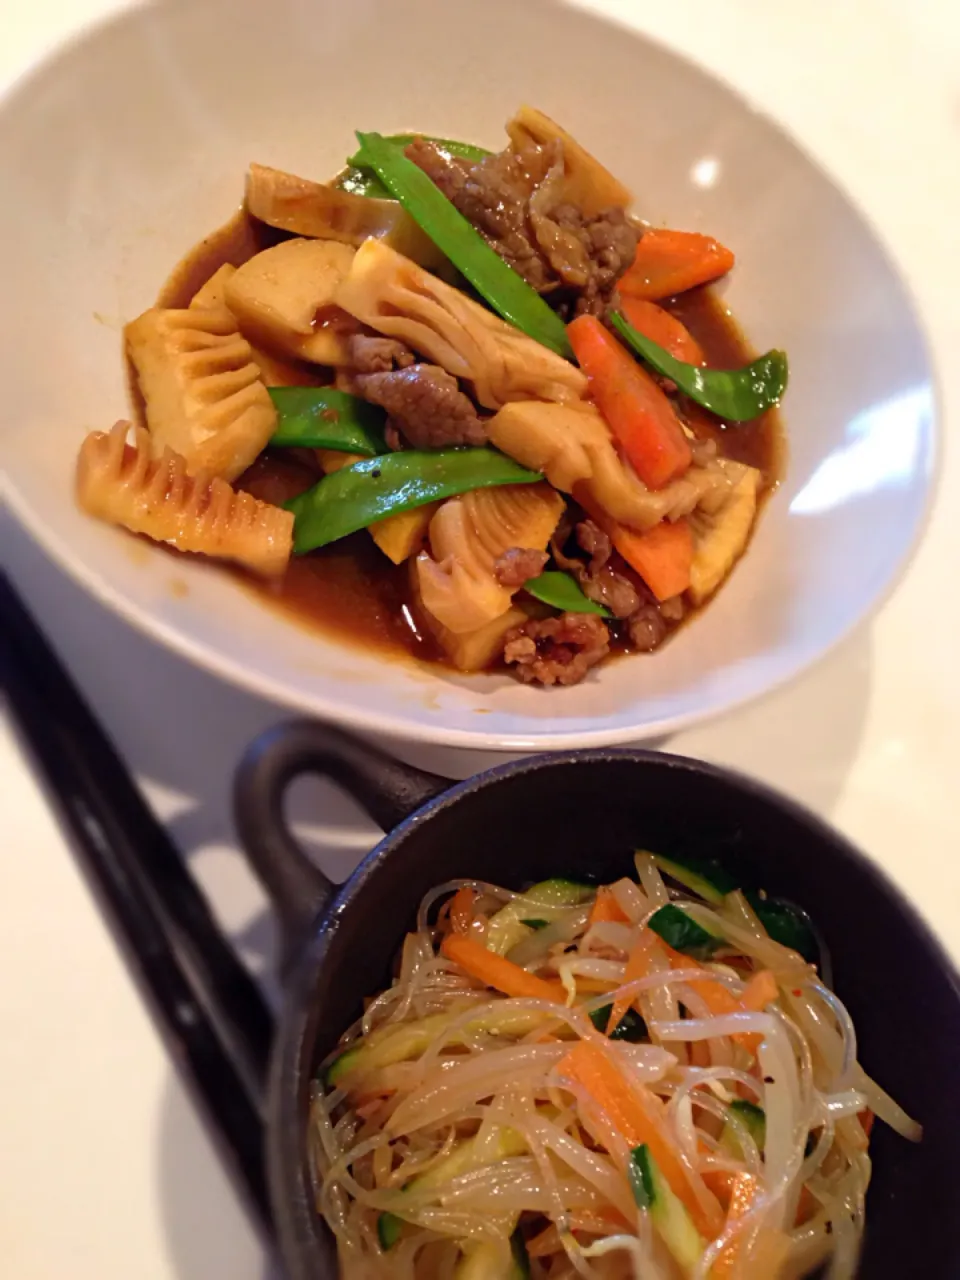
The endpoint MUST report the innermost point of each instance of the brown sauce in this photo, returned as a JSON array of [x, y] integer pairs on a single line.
[[350, 590]]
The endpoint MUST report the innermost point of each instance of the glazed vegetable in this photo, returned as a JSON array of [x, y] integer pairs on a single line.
[[638, 413], [457, 578], [669, 262], [399, 537], [506, 291], [371, 490], [324, 418], [660, 326], [562, 591], [361, 180], [662, 556], [313, 209], [736, 394]]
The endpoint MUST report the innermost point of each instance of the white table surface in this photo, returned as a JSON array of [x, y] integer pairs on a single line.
[[105, 1171]]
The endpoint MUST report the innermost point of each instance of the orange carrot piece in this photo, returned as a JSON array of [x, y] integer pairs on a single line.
[[867, 1118], [660, 326], [461, 909], [606, 909], [637, 1115], [670, 262], [637, 411], [503, 975], [638, 966], [663, 556], [720, 1182], [700, 1054], [760, 991], [742, 1195], [757, 994]]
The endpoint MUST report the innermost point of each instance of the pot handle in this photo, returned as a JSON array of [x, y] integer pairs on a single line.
[[388, 790]]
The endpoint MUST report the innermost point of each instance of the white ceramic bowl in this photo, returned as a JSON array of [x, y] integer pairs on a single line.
[[119, 154]]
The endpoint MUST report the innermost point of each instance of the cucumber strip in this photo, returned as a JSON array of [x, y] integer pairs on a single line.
[[389, 1227], [631, 1026], [683, 933], [652, 1192], [541, 903], [708, 880], [753, 1119]]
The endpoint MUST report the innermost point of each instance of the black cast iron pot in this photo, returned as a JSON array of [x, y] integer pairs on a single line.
[[583, 813]]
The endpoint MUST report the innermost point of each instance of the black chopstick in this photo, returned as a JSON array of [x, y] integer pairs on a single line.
[[210, 1013]]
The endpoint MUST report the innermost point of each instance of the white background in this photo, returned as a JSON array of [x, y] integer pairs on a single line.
[[105, 1172]]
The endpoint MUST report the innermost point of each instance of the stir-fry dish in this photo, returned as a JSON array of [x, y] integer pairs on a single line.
[[464, 397], [649, 1080]]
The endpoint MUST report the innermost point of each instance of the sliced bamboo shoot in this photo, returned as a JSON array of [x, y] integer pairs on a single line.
[[326, 213], [285, 300]]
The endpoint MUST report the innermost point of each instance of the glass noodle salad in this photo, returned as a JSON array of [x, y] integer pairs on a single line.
[[647, 1079]]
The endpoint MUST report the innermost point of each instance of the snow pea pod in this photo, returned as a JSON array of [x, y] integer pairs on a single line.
[[735, 394], [375, 488], [562, 591], [361, 181], [324, 418], [506, 291]]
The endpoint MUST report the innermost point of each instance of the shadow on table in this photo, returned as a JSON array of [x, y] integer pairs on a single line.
[[194, 1194], [802, 739]]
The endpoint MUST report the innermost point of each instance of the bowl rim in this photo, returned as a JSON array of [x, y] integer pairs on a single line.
[[394, 725]]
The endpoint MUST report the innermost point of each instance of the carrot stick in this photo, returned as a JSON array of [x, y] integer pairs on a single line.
[[637, 1115], [663, 556], [743, 1192], [638, 966], [669, 262], [662, 327], [606, 909], [757, 994], [461, 909], [503, 975], [760, 991], [866, 1119], [638, 413]]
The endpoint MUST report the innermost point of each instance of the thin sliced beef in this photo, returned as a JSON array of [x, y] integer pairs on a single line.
[[646, 627], [557, 650], [518, 565], [598, 581], [373, 354], [425, 403], [515, 200]]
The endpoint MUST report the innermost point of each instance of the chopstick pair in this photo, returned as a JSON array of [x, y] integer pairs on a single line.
[[210, 1013]]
